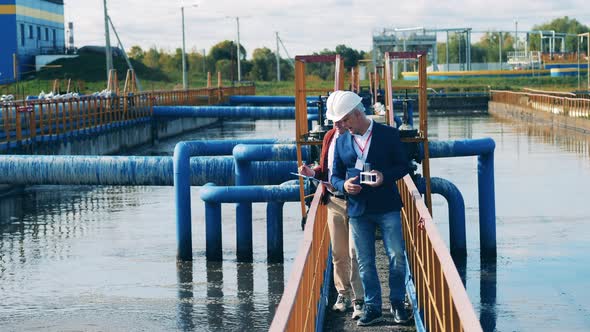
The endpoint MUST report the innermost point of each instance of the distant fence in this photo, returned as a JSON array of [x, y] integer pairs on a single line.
[[545, 102], [21, 121]]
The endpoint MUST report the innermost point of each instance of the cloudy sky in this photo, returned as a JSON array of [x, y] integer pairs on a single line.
[[305, 26]]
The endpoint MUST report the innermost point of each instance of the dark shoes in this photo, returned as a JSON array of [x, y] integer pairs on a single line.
[[400, 313], [357, 306], [342, 303], [371, 316]]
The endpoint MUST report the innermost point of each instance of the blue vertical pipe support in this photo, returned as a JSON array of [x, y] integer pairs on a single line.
[[487, 204], [274, 232], [244, 245], [244, 155], [182, 192], [275, 194], [484, 149], [456, 208], [213, 233], [182, 178]]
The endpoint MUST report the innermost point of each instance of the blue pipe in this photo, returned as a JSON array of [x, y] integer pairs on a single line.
[[183, 151], [484, 149], [487, 204], [252, 194], [244, 155], [131, 170], [456, 206], [261, 152], [234, 112], [184, 250], [213, 197], [224, 147], [274, 232], [459, 148], [213, 232], [288, 100]]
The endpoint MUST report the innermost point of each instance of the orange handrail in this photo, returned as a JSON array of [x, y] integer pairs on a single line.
[[439, 290], [66, 115], [298, 308]]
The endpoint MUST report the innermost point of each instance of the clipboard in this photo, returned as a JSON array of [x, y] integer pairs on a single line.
[[326, 184], [307, 177]]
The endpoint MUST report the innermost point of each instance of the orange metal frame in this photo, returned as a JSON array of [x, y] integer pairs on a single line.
[[301, 91], [422, 107]]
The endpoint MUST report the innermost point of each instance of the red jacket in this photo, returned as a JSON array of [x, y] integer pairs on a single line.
[[321, 171]]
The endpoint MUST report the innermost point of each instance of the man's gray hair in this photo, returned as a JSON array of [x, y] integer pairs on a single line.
[[360, 108]]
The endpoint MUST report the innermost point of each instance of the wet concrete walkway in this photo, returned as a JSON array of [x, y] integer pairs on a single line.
[[337, 321]]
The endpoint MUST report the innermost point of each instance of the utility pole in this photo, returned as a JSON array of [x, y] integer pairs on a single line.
[[500, 48], [239, 71], [515, 35], [278, 60], [184, 80], [204, 69], [580, 38], [184, 74], [109, 54]]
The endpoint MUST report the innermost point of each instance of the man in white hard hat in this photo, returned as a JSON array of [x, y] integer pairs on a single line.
[[346, 272], [372, 204]]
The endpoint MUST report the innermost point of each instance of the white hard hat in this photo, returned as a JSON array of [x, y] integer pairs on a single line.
[[340, 103]]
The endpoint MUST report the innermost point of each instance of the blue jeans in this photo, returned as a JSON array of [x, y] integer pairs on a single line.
[[363, 234]]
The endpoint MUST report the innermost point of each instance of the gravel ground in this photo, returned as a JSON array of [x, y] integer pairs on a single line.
[[337, 321]]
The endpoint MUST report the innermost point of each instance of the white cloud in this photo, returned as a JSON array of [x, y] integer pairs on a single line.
[[305, 26]]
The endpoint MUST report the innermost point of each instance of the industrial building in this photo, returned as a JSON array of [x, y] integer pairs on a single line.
[[29, 28]]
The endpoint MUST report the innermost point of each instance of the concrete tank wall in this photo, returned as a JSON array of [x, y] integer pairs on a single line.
[[115, 139]]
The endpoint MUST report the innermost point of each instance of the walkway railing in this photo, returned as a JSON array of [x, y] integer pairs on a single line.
[[298, 308], [567, 106], [24, 120], [442, 299]]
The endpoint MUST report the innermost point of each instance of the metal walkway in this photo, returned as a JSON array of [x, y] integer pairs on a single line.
[[337, 321]]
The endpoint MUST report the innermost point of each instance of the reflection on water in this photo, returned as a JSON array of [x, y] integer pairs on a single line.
[[103, 257], [487, 294], [537, 282], [184, 271], [215, 311]]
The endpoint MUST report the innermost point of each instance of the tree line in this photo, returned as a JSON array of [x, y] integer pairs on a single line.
[[222, 57], [262, 66]]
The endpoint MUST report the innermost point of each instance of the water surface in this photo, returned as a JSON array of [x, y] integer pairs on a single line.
[[103, 258]]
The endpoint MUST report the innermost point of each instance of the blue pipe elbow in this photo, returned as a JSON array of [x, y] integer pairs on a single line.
[[456, 207]]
